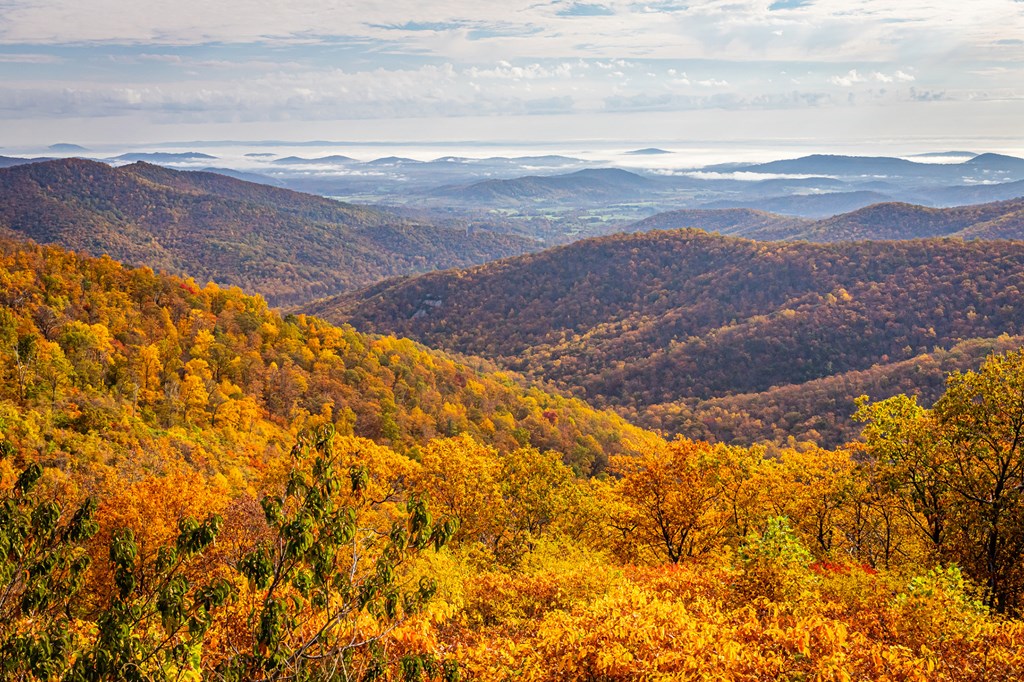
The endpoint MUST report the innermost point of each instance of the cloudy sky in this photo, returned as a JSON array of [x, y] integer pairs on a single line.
[[145, 70]]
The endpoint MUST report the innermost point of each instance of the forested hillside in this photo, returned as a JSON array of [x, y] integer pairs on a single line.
[[821, 410], [193, 487], [289, 247], [639, 320], [99, 359], [739, 222], [588, 185], [887, 220]]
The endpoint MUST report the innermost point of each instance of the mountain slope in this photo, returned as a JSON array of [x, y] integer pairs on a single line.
[[819, 410], [592, 184], [1002, 219], [637, 320], [743, 222], [108, 356], [888, 220], [288, 246]]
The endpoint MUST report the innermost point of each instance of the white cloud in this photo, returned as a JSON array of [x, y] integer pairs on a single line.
[[854, 77], [29, 58], [521, 29], [361, 59], [850, 78]]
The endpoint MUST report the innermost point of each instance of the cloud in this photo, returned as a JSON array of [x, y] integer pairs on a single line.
[[28, 58], [850, 78], [854, 77], [828, 30], [321, 60]]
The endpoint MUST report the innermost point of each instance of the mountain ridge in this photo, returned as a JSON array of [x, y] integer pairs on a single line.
[[284, 244], [635, 320]]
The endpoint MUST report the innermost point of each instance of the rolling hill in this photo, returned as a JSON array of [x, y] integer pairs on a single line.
[[638, 320], [108, 359], [592, 184], [806, 205], [887, 220], [997, 220], [288, 246], [741, 222], [820, 410]]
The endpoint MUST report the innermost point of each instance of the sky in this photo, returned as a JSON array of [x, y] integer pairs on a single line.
[[924, 75]]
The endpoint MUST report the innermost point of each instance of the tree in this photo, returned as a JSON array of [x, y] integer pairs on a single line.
[[913, 462], [960, 467], [42, 567], [982, 415], [326, 590], [671, 498]]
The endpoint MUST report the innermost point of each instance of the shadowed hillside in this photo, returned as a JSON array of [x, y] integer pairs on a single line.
[[288, 246], [643, 319]]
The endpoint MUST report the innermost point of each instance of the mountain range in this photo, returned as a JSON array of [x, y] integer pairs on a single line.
[[639, 320], [286, 245], [888, 220]]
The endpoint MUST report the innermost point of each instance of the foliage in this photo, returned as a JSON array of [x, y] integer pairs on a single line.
[[703, 334], [186, 493], [323, 591], [961, 466], [289, 247], [87, 346]]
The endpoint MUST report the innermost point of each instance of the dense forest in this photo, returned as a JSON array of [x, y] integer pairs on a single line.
[[885, 220], [738, 222], [820, 410], [100, 349], [638, 320], [194, 487], [289, 247]]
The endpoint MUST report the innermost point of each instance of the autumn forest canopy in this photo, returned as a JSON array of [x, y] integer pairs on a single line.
[[659, 455]]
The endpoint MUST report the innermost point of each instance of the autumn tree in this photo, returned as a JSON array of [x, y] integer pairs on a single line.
[[672, 499], [43, 563], [961, 469], [325, 592], [982, 415]]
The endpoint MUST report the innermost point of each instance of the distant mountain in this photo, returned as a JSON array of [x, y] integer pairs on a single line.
[[945, 155], [66, 147], [649, 151], [996, 162], [300, 161], [830, 164], [807, 205], [998, 220], [883, 166], [260, 155], [744, 222], [604, 184], [638, 320], [549, 159], [887, 220], [392, 161], [163, 157], [11, 161], [288, 246]]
